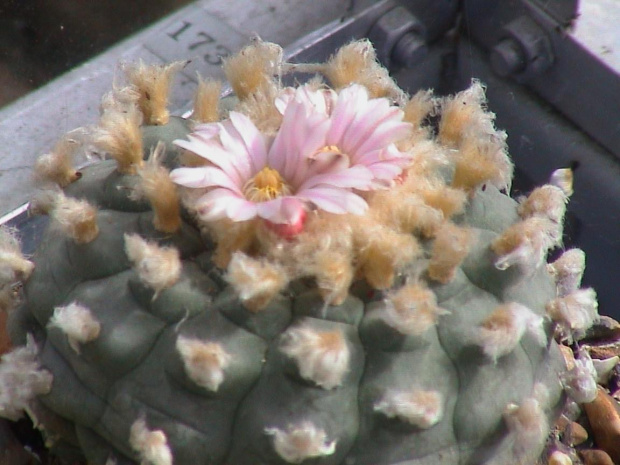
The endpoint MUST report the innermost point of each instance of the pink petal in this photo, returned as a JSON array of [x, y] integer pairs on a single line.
[[386, 133], [320, 101], [206, 130], [282, 155], [366, 121], [350, 101], [286, 96], [326, 161], [220, 203], [213, 151], [356, 177], [282, 210], [335, 200], [301, 134], [385, 171], [312, 140], [240, 157], [241, 210], [393, 155], [252, 138], [203, 176], [389, 154], [212, 206]]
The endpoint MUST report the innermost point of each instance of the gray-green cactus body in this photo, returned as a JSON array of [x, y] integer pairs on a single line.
[[266, 402]]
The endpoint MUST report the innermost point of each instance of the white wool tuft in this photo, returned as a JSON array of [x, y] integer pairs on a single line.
[[301, 442], [322, 357], [256, 282], [13, 265], [529, 427], [412, 309], [158, 267], [75, 218], [204, 362], [526, 243], [420, 408], [21, 380], [502, 330], [574, 313], [580, 381], [568, 271], [545, 201], [77, 322], [152, 446]]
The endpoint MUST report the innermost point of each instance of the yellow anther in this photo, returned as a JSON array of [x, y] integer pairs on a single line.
[[266, 185]]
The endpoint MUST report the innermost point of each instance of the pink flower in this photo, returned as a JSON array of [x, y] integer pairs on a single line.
[[363, 130], [327, 146]]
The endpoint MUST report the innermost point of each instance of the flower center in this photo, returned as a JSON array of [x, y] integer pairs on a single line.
[[266, 185]]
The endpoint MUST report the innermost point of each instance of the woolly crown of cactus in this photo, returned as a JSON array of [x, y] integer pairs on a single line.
[[311, 274]]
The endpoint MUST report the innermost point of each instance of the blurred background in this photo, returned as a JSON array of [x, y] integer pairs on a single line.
[[41, 39]]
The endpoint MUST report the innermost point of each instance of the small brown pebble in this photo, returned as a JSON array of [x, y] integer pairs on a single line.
[[562, 424], [595, 457], [577, 434], [606, 329], [603, 351], [605, 423], [559, 458]]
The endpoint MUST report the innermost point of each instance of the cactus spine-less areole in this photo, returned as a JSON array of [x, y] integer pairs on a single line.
[[331, 273]]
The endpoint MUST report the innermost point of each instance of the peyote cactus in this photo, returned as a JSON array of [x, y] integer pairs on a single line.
[[326, 277]]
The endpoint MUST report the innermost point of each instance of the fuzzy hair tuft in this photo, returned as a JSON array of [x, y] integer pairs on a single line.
[[568, 270], [420, 408], [256, 282], [412, 309], [356, 63], [21, 380], [204, 362], [160, 191], [13, 265], [75, 218], [152, 83], [57, 166], [546, 201], [579, 381], [119, 135], [151, 445], [574, 313], [528, 426], [77, 322], [158, 267], [206, 101], [465, 114], [321, 356], [502, 330], [450, 248], [301, 442], [253, 68], [526, 243]]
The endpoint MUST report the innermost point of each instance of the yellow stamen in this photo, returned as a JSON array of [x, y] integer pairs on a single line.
[[266, 185], [328, 149]]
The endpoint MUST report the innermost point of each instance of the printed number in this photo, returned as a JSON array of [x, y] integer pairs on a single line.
[[200, 40], [175, 35]]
